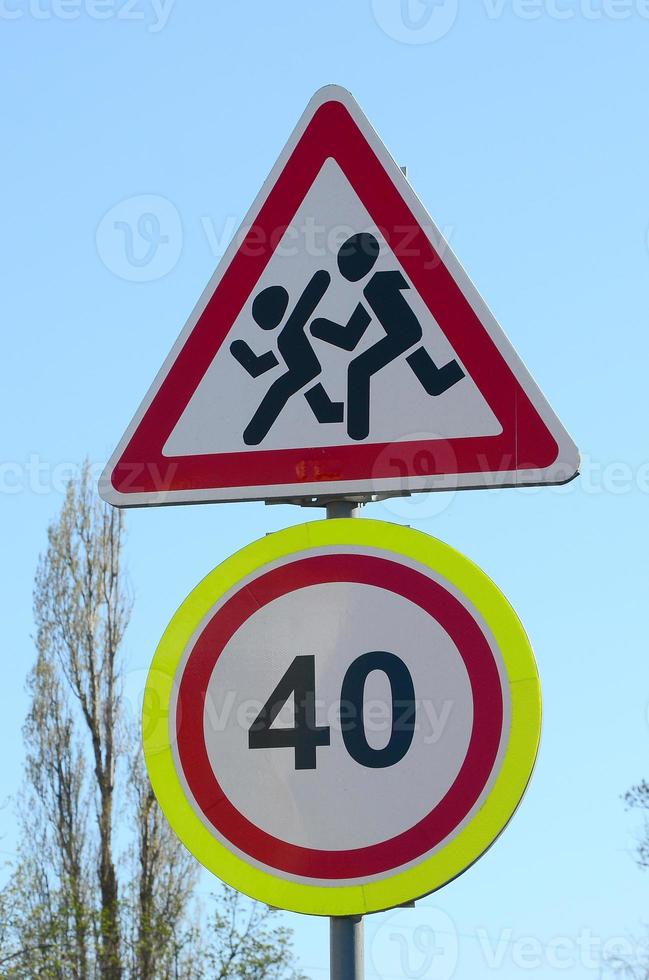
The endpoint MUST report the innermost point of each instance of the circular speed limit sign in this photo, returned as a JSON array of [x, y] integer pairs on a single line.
[[342, 717]]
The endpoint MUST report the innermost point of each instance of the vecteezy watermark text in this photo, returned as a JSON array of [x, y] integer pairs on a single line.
[[140, 239], [423, 943], [38, 475], [425, 21], [154, 14]]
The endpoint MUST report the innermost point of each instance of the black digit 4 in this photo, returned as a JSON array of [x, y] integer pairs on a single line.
[[305, 736]]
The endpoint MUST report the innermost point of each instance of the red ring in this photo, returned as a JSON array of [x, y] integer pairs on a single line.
[[443, 818]]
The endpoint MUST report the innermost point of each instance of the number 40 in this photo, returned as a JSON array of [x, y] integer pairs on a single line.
[[306, 736]]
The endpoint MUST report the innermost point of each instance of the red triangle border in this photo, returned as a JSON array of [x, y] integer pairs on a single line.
[[525, 443]]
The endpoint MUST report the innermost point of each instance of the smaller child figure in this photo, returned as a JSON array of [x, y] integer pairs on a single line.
[[268, 310]]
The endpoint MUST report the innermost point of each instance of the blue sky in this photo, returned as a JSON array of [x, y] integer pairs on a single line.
[[524, 129]]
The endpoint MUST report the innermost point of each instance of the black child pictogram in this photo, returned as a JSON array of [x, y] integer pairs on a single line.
[[384, 295], [268, 310]]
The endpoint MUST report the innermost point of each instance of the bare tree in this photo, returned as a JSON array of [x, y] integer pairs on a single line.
[[82, 609], [81, 905], [55, 818], [636, 967], [638, 798], [163, 880]]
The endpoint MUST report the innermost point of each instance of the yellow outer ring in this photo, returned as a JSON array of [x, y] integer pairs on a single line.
[[486, 824]]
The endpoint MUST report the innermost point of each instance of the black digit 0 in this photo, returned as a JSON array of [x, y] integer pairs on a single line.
[[305, 736], [403, 709]]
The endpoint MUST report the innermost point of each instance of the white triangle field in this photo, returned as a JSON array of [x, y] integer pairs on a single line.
[[227, 397]]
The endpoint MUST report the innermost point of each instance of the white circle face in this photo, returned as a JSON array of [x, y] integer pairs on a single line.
[[406, 721], [340, 803]]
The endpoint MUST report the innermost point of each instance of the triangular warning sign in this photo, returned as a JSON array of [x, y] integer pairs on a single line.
[[339, 349]]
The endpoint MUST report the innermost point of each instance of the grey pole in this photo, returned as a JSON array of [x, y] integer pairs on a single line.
[[345, 931], [343, 508], [346, 947]]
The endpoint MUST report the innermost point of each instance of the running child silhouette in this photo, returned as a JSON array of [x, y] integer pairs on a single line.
[[303, 366], [384, 294]]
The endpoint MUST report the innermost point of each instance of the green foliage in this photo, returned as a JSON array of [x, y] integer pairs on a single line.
[[245, 942]]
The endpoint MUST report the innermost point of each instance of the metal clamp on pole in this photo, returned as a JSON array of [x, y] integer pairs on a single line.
[[343, 508], [346, 947]]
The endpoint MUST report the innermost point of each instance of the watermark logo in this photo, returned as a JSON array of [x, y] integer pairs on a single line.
[[417, 943], [140, 239], [398, 461], [415, 21]]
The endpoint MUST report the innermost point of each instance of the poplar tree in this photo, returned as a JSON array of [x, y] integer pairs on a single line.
[[101, 888]]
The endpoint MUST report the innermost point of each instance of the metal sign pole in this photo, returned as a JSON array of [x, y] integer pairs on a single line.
[[345, 932], [346, 947]]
